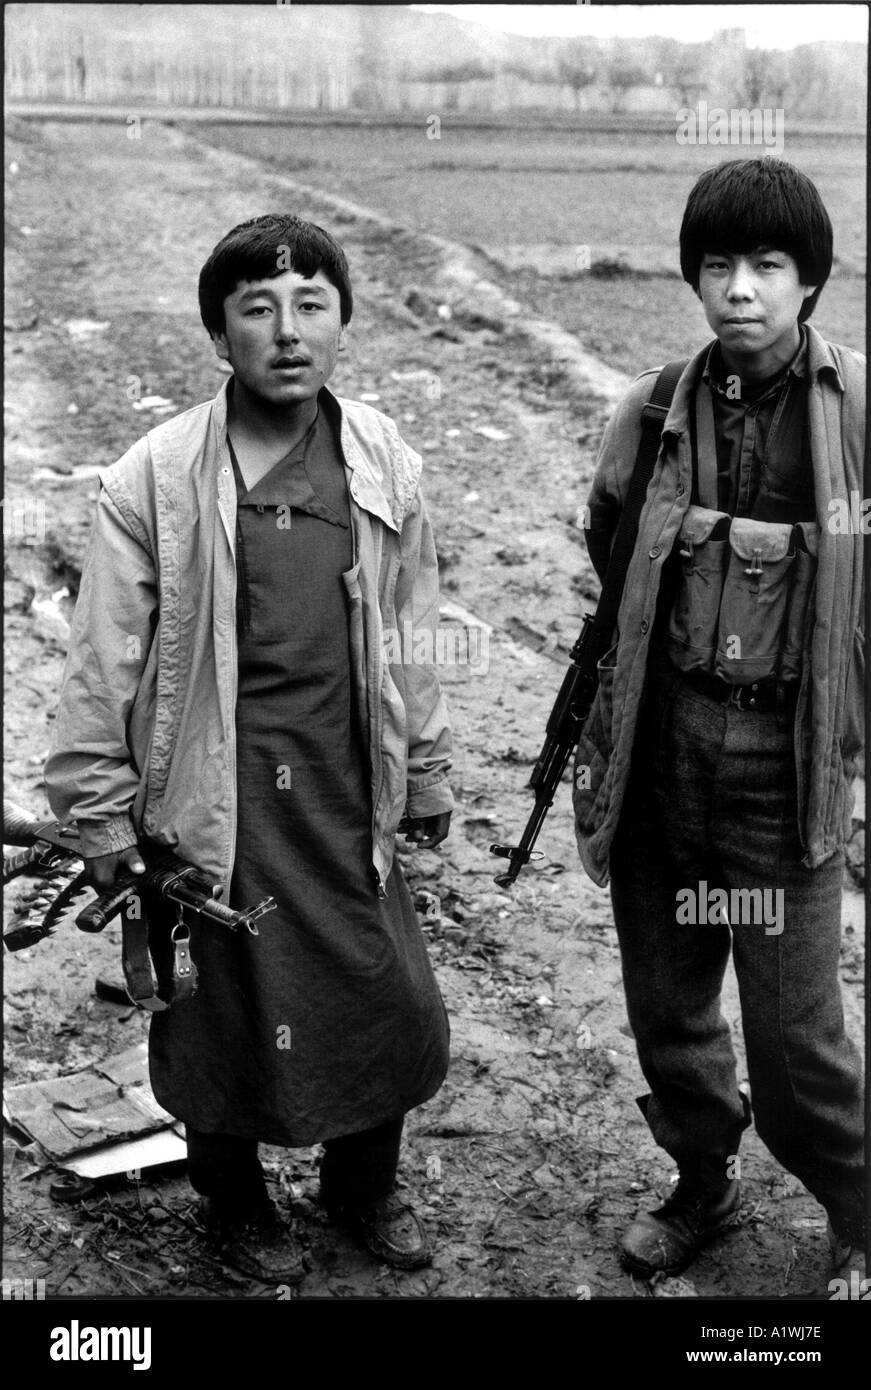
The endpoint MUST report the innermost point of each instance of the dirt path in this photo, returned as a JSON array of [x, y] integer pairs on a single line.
[[533, 1156]]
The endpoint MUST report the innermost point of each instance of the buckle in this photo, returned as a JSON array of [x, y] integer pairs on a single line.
[[181, 939], [184, 971], [744, 696]]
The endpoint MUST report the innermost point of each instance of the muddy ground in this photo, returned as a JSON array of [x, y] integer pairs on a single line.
[[533, 1156]]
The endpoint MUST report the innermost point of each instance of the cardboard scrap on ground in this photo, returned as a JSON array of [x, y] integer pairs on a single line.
[[87, 1120], [166, 1146]]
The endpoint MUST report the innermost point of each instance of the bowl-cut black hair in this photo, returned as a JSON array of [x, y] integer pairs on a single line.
[[261, 249], [743, 204]]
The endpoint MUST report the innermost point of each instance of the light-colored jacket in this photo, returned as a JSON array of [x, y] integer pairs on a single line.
[[144, 740], [829, 722]]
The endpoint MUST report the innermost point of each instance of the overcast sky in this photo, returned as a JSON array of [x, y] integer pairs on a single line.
[[767, 25]]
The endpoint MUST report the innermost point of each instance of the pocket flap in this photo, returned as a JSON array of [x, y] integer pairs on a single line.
[[808, 537], [699, 522], [770, 538]]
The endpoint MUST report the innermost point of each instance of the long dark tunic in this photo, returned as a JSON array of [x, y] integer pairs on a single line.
[[330, 1021]]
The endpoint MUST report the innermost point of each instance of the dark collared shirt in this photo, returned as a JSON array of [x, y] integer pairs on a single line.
[[311, 479], [763, 452]]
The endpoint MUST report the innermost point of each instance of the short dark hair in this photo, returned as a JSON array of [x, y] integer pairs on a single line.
[[745, 203], [259, 250]]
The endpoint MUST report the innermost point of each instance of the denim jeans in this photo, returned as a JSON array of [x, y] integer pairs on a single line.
[[355, 1169], [712, 801]]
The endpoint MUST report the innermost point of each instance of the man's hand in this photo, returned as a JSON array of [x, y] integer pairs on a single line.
[[104, 869], [427, 832]]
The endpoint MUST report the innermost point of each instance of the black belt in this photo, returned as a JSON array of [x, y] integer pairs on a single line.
[[764, 696]]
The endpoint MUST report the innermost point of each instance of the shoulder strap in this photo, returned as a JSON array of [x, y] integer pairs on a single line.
[[706, 484], [652, 419]]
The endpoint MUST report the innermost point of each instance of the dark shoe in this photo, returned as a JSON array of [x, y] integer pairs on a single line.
[[667, 1240], [846, 1267], [388, 1229], [262, 1245]]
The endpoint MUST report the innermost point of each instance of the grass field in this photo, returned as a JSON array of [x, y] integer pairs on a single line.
[[526, 187]]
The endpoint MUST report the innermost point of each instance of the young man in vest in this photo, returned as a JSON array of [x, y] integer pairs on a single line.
[[229, 693], [714, 774]]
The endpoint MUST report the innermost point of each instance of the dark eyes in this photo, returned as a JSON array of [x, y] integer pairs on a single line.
[[260, 309], [763, 264]]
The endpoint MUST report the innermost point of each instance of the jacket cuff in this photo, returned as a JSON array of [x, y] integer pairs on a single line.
[[430, 801], [98, 837]]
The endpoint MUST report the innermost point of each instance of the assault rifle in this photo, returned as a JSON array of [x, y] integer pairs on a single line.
[[562, 732], [578, 690], [53, 849]]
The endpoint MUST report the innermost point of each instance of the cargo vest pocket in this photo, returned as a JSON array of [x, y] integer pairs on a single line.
[[805, 539], [703, 546], [755, 598]]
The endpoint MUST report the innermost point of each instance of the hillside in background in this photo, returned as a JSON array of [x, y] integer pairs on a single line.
[[388, 58]]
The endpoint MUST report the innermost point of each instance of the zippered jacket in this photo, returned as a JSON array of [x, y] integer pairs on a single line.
[[829, 720], [144, 740]]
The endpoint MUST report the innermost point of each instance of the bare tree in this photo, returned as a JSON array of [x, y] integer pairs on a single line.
[[686, 81], [621, 77], [766, 77], [577, 74]]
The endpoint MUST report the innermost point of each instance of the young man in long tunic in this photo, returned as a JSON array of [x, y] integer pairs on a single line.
[[228, 693], [714, 772]]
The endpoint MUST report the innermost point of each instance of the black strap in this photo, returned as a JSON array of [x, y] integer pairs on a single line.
[[136, 960], [652, 419]]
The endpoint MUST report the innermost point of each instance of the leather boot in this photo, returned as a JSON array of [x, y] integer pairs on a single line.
[[260, 1244], [846, 1267], [388, 1228], [665, 1241]]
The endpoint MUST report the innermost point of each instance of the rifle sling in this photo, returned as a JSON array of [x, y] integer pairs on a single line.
[[136, 962], [172, 986], [652, 419]]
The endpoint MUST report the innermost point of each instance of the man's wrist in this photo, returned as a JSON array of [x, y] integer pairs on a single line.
[[429, 801], [110, 836]]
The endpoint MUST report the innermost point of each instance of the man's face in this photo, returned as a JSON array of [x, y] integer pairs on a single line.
[[282, 336], [752, 302]]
